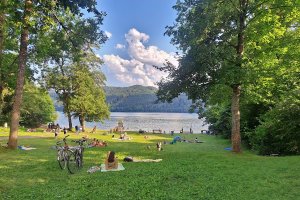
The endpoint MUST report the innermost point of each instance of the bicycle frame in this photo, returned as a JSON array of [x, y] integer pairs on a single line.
[[63, 153]]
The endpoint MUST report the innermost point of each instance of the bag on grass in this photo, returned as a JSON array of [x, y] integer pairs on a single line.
[[128, 159]]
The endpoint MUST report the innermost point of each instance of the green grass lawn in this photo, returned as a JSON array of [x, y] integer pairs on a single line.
[[188, 171]]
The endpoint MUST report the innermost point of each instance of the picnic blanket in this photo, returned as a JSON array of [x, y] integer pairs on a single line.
[[102, 168], [25, 148], [120, 167], [147, 160]]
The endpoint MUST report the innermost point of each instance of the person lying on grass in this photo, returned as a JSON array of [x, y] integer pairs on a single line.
[[100, 144], [131, 159], [93, 143], [111, 162], [97, 143]]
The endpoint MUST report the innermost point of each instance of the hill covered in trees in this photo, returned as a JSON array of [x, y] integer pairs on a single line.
[[137, 98]]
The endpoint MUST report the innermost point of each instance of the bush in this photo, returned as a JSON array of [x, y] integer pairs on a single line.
[[219, 119], [37, 107], [279, 131]]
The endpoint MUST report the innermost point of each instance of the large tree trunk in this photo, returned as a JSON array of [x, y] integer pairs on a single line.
[[66, 95], [15, 117], [70, 121], [2, 25], [235, 102], [82, 122], [235, 126]]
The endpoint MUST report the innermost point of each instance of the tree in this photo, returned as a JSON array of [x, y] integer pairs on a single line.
[[8, 49], [45, 11], [275, 74], [88, 99], [61, 47], [37, 107], [215, 40], [2, 25], [15, 116]]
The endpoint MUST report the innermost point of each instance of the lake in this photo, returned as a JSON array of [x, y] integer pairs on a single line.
[[134, 121]]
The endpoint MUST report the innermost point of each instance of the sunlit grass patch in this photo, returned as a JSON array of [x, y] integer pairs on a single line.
[[193, 171]]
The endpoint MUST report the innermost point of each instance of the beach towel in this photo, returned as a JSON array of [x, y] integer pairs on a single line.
[[120, 167], [147, 160], [25, 148]]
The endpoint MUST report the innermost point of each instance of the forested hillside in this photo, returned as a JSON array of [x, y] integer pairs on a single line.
[[138, 98]]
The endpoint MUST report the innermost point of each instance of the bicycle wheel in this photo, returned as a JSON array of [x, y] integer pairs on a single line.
[[61, 159], [80, 160], [73, 163]]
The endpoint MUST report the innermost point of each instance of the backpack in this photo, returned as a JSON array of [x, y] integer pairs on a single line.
[[128, 159]]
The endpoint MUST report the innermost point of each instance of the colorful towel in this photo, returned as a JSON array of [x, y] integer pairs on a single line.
[[147, 160], [25, 148], [120, 167]]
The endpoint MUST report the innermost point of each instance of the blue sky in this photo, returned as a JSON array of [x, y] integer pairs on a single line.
[[137, 40]]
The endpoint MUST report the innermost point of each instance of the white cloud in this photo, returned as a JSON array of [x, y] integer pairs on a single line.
[[139, 69], [108, 34], [120, 46]]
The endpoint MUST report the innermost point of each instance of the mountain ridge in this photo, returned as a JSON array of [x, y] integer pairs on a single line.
[[138, 98]]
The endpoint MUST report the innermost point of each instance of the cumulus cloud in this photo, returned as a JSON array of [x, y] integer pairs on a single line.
[[108, 34], [120, 46], [139, 68]]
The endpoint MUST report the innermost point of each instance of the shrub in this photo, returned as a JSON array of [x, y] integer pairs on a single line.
[[279, 131], [37, 107]]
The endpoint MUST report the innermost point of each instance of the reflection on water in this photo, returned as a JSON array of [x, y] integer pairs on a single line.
[[146, 121]]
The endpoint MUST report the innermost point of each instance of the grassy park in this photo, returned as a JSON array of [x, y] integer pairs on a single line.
[[187, 171], [235, 64]]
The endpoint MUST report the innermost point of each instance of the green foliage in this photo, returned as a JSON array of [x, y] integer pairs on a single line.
[[139, 98], [248, 43], [219, 118], [37, 107], [206, 32], [279, 131], [126, 99], [187, 171], [68, 62], [88, 100], [273, 83], [272, 61]]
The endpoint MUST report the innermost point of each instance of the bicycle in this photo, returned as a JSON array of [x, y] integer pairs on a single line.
[[63, 152], [75, 161]]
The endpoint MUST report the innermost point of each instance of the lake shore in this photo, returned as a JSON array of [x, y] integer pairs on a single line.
[[134, 121]]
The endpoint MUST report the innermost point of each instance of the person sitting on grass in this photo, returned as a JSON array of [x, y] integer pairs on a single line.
[[111, 162], [158, 146], [101, 144], [93, 143]]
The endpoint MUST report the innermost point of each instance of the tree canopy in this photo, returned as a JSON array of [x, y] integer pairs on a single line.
[[24, 26], [239, 53]]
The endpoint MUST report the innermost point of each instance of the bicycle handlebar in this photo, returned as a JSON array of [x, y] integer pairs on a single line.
[[79, 141], [66, 137], [63, 140]]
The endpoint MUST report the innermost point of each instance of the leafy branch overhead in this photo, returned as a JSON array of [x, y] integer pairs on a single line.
[[246, 46], [46, 37]]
